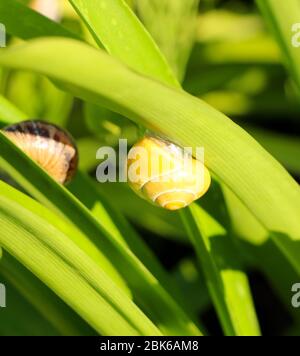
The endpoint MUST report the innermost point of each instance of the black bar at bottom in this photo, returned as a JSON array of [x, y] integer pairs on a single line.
[[98, 345]]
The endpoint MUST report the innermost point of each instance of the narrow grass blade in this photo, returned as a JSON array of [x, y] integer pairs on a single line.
[[172, 24], [110, 20], [43, 300], [282, 18], [161, 222], [11, 323], [81, 240], [227, 283], [32, 24]]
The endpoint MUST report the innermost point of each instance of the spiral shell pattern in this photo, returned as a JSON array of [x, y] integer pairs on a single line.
[[48, 145], [165, 179]]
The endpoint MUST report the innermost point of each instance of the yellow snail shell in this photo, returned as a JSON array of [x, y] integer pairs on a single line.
[[48, 145], [165, 180]]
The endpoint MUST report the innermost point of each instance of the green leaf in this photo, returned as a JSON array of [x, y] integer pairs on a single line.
[[268, 258], [226, 281], [115, 223], [186, 120], [172, 23], [78, 237], [159, 221], [110, 20], [70, 273], [14, 325], [44, 301], [23, 22], [282, 16]]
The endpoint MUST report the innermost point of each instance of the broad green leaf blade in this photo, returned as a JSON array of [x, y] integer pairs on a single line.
[[25, 23], [227, 283], [144, 286], [282, 18], [110, 20], [70, 273], [186, 120]]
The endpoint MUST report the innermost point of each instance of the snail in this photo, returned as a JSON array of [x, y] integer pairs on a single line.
[[161, 173], [48, 145]]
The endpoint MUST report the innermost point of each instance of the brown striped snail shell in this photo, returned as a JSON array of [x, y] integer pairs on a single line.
[[165, 180], [48, 145]]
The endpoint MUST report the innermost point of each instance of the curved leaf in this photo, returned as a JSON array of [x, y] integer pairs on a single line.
[[108, 20], [185, 119]]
